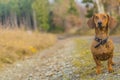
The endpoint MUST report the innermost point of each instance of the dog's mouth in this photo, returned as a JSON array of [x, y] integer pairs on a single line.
[[100, 26]]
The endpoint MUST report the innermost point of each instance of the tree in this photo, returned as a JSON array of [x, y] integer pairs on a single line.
[[91, 7], [41, 8], [100, 6], [25, 16], [16, 13], [73, 8], [65, 16]]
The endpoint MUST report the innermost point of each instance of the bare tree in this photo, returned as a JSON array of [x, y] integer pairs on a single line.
[[34, 20], [100, 6]]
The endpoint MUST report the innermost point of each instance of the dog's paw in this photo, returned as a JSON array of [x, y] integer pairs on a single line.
[[98, 71], [110, 70], [113, 63]]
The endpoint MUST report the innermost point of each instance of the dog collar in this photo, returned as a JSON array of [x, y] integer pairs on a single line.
[[101, 41]]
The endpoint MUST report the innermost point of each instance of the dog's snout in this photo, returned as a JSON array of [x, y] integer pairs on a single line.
[[99, 23]]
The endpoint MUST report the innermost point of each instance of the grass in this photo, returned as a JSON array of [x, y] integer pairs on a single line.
[[83, 59], [85, 64], [20, 44]]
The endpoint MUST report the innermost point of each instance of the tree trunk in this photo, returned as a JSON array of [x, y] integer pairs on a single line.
[[24, 21], [13, 19], [34, 20], [5, 19], [100, 6], [28, 21]]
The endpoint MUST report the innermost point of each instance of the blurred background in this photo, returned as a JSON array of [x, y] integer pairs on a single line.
[[29, 26], [57, 30], [56, 16]]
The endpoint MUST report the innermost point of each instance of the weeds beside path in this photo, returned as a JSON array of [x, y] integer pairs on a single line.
[[69, 59], [19, 44]]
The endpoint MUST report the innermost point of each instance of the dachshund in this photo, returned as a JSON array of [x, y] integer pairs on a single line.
[[102, 46]]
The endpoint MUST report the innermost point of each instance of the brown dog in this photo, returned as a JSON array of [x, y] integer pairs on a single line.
[[102, 46]]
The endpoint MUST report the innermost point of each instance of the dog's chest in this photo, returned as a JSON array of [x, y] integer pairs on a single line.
[[103, 52], [103, 56], [102, 49]]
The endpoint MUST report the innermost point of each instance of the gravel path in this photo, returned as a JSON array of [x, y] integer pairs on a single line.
[[51, 64], [55, 64]]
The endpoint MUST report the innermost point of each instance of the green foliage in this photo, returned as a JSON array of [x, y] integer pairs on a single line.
[[90, 13], [15, 6], [42, 10], [4, 9], [90, 9], [25, 5], [16, 13], [73, 9], [87, 1], [27, 12]]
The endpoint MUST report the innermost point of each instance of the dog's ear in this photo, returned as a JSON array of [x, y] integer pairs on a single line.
[[111, 22], [91, 23]]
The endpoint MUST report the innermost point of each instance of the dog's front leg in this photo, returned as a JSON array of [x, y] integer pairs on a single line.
[[110, 63], [112, 60], [98, 65]]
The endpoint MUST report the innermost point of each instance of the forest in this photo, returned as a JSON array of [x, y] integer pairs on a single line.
[[54, 15]]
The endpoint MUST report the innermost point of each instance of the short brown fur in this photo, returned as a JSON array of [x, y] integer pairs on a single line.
[[103, 52]]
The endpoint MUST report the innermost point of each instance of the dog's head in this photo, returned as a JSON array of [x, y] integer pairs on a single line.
[[101, 20]]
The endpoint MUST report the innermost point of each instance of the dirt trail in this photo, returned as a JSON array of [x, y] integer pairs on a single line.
[[50, 64], [55, 64]]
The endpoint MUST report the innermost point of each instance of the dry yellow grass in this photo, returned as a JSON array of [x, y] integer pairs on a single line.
[[18, 44]]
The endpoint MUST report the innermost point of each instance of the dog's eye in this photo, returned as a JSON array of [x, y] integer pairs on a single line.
[[96, 17], [104, 17]]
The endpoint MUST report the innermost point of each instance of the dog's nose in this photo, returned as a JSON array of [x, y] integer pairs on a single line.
[[99, 23]]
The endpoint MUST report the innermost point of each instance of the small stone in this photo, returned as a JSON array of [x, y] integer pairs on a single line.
[[18, 65], [48, 74]]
